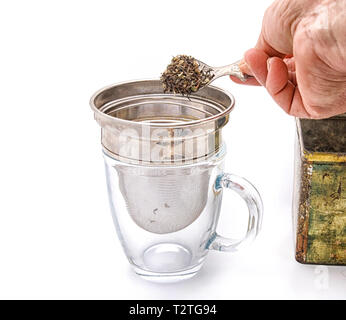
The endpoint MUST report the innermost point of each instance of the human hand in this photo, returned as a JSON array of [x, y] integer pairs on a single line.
[[300, 57]]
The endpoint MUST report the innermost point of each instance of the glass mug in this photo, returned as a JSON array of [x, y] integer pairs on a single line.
[[164, 159]]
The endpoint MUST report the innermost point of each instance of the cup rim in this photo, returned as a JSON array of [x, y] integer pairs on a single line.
[[161, 125]]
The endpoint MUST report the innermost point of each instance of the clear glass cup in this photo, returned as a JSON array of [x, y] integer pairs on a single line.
[[164, 159]]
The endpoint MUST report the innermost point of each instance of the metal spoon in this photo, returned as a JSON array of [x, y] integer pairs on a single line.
[[229, 70]]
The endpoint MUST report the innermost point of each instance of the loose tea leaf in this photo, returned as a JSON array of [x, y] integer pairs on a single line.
[[184, 75]]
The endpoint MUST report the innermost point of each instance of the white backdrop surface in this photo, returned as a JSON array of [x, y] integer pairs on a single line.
[[57, 239]]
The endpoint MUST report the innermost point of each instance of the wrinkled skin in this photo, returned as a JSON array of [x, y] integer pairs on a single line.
[[300, 57]]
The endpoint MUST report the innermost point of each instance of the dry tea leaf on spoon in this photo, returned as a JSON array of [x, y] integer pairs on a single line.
[[185, 75]]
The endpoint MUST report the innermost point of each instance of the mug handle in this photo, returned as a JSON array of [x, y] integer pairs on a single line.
[[254, 203]]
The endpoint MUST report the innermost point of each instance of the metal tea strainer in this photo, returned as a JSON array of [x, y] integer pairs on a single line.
[[161, 144]]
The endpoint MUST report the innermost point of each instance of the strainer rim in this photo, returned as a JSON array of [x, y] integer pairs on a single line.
[[224, 113]]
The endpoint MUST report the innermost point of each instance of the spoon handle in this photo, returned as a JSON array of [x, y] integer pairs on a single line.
[[232, 70]]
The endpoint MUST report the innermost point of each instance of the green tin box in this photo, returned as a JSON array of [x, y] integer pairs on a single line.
[[319, 198]]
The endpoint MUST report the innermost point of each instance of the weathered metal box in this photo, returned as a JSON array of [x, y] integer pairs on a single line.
[[319, 200]]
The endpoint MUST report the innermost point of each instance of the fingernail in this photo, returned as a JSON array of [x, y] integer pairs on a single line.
[[269, 62]]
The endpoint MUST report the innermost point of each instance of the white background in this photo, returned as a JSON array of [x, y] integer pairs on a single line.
[[57, 239]]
